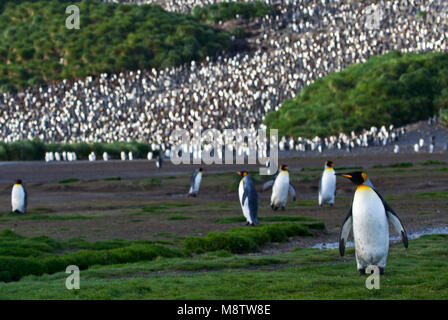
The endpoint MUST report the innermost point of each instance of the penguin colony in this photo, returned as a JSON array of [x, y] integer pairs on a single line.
[[368, 215], [230, 91]]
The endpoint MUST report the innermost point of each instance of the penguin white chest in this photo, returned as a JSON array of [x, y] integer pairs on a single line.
[[328, 185], [370, 227], [280, 189], [18, 198], [245, 205], [197, 182]]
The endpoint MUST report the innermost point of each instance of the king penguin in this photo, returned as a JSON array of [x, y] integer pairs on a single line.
[[159, 162], [248, 198], [195, 182], [368, 215], [19, 197], [327, 184], [280, 189]]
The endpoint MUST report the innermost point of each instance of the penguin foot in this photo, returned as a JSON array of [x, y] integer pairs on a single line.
[[275, 208], [247, 223], [283, 209], [362, 271]]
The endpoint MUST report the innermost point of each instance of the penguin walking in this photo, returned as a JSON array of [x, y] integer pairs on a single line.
[[19, 197], [280, 189], [327, 185], [195, 182], [248, 198], [369, 215]]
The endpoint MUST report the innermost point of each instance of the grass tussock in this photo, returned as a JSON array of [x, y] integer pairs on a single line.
[[248, 239], [265, 219], [393, 165], [21, 256]]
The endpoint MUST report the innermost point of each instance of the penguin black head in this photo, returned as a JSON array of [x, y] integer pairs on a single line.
[[200, 169], [242, 173], [284, 167], [356, 177], [18, 181], [329, 164]]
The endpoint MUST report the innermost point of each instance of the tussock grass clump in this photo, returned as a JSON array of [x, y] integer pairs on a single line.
[[246, 239], [432, 162], [179, 217], [441, 194], [20, 256], [111, 179], [393, 165], [267, 219], [68, 180]]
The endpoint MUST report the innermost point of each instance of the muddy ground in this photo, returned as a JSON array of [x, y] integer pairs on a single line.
[[99, 209]]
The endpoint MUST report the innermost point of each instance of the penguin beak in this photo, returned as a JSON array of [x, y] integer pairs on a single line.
[[344, 175]]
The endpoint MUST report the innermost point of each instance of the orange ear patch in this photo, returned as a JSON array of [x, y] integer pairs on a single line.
[[364, 176]]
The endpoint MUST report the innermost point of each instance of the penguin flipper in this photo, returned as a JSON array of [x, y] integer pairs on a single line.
[[345, 230], [395, 221], [292, 191], [267, 185]]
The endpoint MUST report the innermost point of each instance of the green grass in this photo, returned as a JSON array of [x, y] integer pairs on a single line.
[[266, 219], [178, 217], [440, 194], [416, 273], [249, 239], [425, 213], [432, 162], [393, 165], [69, 180], [112, 38], [21, 256], [394, 88], [39, 216], [161, 208], [111, 179]]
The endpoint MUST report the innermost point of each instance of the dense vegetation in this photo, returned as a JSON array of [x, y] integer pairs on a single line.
[[416, 273], [394, 89], [224, 11], [20, 256], [35, 45], [243, 239], [35, 150]]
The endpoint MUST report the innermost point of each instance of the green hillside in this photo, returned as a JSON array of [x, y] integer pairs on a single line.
[[35, 45], [394, 89]]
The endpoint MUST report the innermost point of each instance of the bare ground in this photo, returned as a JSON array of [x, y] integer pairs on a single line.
[[113, 209]]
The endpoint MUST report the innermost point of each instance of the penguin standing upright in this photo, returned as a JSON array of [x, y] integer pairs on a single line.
[[281, 188], [327, 184], [19, 197], [368, 215], [159, 162], [195, 182], [248, 198]]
